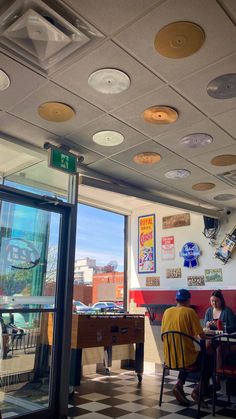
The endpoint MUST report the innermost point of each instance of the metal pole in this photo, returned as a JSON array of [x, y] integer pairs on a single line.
[[67, 299]]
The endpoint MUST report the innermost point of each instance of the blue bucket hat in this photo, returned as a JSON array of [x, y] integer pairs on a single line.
[[183, 295]]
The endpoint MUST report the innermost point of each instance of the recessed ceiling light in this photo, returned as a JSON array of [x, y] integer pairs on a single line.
[[109, 81], [224, 197], [177, 173], [196, 140], [223, 87], [203, 186], [56, 111], [108, 138], [147, 157], [160, 115], [224, 160], [4, 80], [179, 39]]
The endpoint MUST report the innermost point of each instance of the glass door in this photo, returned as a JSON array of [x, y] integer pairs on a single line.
[[33, 275]]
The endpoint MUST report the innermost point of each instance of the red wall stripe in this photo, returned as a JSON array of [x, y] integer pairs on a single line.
[[200, 298]]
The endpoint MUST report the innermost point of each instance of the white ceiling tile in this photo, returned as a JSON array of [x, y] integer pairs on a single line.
[[173, 162], [111, 168], [25, 131], [126, 157], [230, 7], [84, 135], [165, 96], [204, 160], [23, 82], [139, 37], [225, 204], [172, 140], [110, 15], [227, 121], [28, 109], [108, 55], [194, 87]]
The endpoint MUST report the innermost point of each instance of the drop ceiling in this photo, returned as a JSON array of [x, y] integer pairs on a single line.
[[120, 35]]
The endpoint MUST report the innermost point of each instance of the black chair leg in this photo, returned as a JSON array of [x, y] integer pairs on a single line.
[[228, 391], [214, 396], [162, 385], [200, 398]]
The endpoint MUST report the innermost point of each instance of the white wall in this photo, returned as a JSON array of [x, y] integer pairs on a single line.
[[192, 233]]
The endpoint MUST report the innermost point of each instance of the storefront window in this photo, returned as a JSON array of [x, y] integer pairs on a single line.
[[99, 260]]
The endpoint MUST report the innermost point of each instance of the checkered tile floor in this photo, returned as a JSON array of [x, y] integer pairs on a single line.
[[121, 396]]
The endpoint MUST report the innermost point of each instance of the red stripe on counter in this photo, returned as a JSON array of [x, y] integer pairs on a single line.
[[200, 298]]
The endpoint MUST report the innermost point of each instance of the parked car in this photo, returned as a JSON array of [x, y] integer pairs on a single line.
[[80, 307], [105, 306]]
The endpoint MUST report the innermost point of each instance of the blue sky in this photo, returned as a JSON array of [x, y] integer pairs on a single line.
[[100, 236]]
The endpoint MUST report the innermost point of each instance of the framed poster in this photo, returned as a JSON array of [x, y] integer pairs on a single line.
[[178, 220], [167, 248], [146, 244], [153, 281], [213, 275]]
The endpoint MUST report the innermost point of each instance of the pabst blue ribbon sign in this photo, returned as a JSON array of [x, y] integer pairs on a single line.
[[146, 244], [190, 252], [19, 253]]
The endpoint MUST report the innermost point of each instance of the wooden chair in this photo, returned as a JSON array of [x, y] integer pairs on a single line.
[[224, 356], [175, 340]]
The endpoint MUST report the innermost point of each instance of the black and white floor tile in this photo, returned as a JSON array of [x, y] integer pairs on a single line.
[[120, 395]]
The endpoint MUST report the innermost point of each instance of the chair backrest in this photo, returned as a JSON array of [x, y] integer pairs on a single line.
[[176, 346], [224, 347]]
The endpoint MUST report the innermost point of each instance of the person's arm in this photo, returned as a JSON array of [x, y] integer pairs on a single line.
[[207, 317]]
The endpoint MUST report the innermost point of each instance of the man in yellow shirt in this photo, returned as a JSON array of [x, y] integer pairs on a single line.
[[182, 318]]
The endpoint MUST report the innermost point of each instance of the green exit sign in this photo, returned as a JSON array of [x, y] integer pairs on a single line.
[[60, 160]]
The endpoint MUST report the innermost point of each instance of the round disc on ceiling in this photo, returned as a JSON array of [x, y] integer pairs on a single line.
[[223, 87], [203, 186], [177, 174], [4, 80], [56, 111], [224, 197], [109, 81], [160, 115], [179, 39], [108, 138], [224, 160], [196, 140], [147, 157]]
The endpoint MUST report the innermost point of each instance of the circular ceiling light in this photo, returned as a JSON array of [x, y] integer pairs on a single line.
[[196, 140], [179, 39], [108, 138], [224, 160], [147, 157], [177, 173], [160, 115], [4, 80], [223, 87], [224, 197], [203, 186], [56, 111], [109, 81]]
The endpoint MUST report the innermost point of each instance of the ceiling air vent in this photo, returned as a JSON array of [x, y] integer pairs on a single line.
[[44, 36], [228, 177]]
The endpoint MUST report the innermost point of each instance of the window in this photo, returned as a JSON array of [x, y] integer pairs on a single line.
[[99, 260]]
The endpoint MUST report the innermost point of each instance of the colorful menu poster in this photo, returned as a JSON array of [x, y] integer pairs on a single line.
[[146, 244], [167, 248]]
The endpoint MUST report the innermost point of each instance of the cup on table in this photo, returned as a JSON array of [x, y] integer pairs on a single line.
[[224, 327]]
